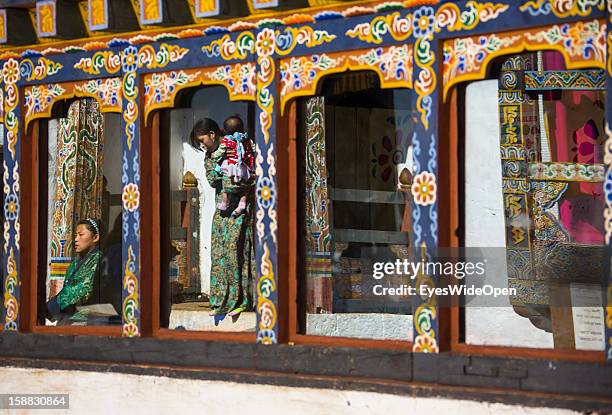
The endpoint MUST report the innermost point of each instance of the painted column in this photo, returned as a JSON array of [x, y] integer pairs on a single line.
[[265, 211], [424, 188], [130, 179], [12, 150]]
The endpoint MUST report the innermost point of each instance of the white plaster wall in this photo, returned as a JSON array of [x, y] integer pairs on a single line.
[[112, 393], [184, 158], [484, 222]]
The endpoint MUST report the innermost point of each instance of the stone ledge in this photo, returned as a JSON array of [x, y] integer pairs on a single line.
[[378, 326], [192, 320]]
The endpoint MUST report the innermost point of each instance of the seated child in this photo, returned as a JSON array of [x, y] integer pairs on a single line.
[[81, 284], [235, 160]]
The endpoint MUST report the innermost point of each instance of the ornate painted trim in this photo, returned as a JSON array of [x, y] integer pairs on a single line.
[[425, 322], [299, 76], [287, 39], [331, 10], [582, 45], [11, 200], [567, 172], [281, 42], [130, 179], [515, 182], [266, 224], [584, 79], [107, 60], [160, 89], [561, 8], [38, 71], [514, 185], [426, 20], [229, 49], [448, 16], [148, 57], [39, 99], [426, 81]]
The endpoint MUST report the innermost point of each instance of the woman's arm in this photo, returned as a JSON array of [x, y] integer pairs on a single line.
[[212, 164], [213, 174]]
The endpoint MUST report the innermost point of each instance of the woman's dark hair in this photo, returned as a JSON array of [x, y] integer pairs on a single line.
[[89, 224], [202, 127]]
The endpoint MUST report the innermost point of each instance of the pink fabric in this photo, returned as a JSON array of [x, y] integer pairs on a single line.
[[578, 211], [576, 216], [587, 152], [552, 60]]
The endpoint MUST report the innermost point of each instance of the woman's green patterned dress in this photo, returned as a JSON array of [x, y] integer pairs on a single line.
[[79, 286], [233, 253]]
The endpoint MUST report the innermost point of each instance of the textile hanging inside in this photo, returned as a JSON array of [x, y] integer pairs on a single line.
[[317, 206], [78, 182]]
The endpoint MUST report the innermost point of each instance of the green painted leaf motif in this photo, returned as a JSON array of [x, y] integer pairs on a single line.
[[423, 52], [246, 44], [379, 29], [469, 17], [162, 57]]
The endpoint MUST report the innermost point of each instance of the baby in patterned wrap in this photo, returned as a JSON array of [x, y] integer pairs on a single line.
[[235, 160]]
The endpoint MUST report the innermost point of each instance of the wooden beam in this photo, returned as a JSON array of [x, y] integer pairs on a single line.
[[23, 4], [16, 28]]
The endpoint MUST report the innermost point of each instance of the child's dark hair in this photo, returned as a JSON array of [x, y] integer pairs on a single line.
[[92, 225], [233, 125], [202, 127]]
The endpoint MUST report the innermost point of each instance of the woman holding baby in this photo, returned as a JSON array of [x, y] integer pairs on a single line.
[[229, 164]]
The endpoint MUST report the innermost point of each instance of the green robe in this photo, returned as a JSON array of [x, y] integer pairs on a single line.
[[79, 284], [232, 252]]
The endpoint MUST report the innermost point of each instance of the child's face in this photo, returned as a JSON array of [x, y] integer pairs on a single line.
[[84, 240], [209, 141]]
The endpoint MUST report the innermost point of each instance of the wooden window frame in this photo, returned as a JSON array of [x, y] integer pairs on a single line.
[[287, 176], [452, 145], [152, 222], [31, 207]]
